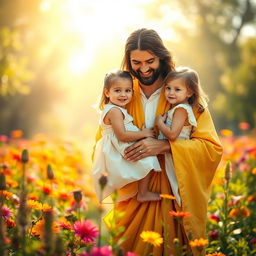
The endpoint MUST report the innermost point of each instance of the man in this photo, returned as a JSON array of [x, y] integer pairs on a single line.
[[195, 160]]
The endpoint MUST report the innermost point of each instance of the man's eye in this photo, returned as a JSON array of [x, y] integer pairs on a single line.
[[150, 61]]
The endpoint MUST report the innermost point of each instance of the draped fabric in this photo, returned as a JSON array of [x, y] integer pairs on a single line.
[[195, 162]]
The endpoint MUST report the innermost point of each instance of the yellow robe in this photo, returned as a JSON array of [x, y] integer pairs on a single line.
[[195, 162]]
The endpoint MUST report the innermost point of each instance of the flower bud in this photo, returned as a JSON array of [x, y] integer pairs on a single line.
[[228, 171], [2, 182], [77, 196], [103, 180], [24, 156], [50, 173]]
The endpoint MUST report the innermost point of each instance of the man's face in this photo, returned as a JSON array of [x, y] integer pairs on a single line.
[[145, 66]]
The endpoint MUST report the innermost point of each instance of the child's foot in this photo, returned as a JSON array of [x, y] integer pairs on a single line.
[[148, 196]]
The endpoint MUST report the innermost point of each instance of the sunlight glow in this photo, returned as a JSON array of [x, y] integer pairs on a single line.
[[95, 22]]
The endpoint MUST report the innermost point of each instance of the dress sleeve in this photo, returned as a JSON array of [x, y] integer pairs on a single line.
[[188, 108]]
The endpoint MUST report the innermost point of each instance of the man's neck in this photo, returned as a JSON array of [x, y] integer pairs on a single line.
[[148, 90]]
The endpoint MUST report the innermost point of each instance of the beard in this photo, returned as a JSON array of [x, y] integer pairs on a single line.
[[148, 80]]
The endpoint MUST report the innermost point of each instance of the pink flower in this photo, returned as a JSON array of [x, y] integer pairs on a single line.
[[86, 230], [6, 212], [131, 254], [101, 251], [3, 138]]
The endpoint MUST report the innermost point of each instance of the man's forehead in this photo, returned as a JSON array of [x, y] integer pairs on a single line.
[[141, 55]]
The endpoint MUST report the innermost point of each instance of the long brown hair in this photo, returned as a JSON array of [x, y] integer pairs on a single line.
[[109, 79], [148, 40], [191, 80]]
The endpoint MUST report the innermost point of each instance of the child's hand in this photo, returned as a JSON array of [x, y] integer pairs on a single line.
[[160, 119], [149, 132]]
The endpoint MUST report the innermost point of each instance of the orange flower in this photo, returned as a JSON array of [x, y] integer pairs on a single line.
[[254, 171], [226, 133], [244, 126], [32, 196], [16, 134], [151, 237], [64, 223], [239, 212], [179, 214], [216, 254], [250, 198], [38, 229], [198, 242], [166, 196], [8, 195]]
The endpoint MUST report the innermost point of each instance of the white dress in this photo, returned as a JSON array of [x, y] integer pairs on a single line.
[[184, 135], [108, 158]]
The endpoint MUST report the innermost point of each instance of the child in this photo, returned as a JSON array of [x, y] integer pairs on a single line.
[[182, 91], [118, 132]]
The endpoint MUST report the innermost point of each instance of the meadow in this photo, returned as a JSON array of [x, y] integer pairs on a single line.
[[48, 206]]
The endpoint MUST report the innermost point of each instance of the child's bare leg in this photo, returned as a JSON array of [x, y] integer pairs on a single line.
[[143, 193]]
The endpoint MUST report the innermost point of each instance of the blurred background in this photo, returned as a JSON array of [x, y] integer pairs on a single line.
[[54, 55]]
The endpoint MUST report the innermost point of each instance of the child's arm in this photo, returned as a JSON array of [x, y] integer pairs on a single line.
[[180, 116], [116, 120]]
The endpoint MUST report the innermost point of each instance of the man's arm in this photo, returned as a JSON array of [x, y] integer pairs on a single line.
[[146, 147]]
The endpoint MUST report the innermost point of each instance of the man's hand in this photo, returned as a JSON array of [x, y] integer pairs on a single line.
[[146, 147]]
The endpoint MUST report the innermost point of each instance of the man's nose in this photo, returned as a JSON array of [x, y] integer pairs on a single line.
[[144, 67]]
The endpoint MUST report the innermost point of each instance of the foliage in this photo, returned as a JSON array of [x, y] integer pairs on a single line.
[[13, 66]]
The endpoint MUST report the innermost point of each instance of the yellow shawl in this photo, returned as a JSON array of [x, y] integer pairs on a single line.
[[195, 162]]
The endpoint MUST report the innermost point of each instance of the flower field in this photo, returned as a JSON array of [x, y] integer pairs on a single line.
[[47, 206]]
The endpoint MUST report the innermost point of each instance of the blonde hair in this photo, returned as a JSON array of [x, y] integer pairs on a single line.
[[109, 80], [191, 80]]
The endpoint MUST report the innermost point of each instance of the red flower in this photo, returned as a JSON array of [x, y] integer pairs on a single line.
[[10, 223], [214, 217], [16, 157], [86, 230], [213, 234], [253, 241]]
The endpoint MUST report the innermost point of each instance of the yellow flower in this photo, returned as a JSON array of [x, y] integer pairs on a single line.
[[32, 204], [152, 237], [167, 196], [226, 133], [254, 171], [198, 242]]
